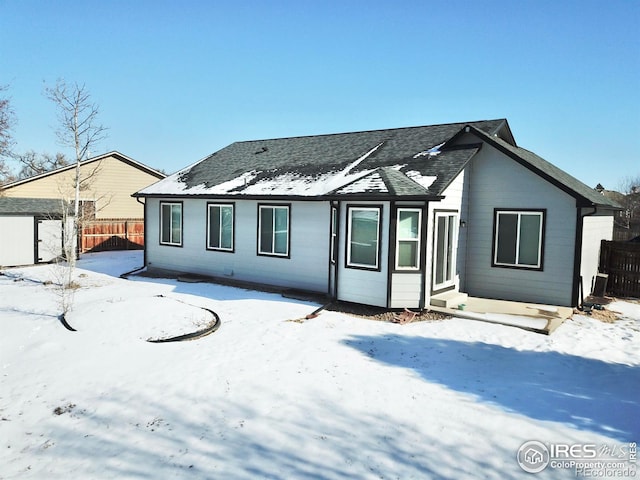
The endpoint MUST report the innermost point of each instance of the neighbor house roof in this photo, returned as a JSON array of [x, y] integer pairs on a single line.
[[401, 161], [114, 154], [30, 206]]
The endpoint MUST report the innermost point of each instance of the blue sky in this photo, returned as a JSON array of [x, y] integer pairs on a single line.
[[178, 80]]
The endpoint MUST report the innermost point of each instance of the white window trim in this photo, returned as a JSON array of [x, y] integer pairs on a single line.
[[273, 230], [171, 242], [519, 213], [350, 210], [451, 237], [233, 212], [417, 240]]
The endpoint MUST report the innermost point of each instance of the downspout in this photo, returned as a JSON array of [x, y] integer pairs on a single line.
[[333, 265], [423, 255], [391, 235], [576, 300], [144, 219]]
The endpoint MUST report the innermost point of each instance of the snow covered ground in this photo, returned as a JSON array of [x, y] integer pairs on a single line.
[[332, 397]]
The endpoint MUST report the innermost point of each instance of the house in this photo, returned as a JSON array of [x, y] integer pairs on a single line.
[[397, 218], [107, 183], [627, 219], [31, 231]]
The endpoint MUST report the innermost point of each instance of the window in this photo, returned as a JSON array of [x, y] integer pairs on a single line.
[[171, 224], [87, 209], [363, 237], [273, 230], [220, 227], [408, 239], [518, 238], [445, 246]]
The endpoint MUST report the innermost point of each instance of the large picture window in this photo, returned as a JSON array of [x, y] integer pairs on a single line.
[[408, 238], [273, 230], [518, 238], [363, 237], [171, 224], [220, 227]]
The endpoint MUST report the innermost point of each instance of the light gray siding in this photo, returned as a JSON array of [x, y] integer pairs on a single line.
[[497, 181], [307, 268], [405, 290], [595, 228], [364, 286]]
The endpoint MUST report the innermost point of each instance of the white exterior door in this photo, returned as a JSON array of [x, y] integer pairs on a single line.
[[444, 251], [49, 240]]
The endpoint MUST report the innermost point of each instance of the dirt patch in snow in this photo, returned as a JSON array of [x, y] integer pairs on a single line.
[[601, 308], [382, 314], [606, 316]]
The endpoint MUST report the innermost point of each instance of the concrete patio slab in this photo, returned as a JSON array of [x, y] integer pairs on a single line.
[[529, 316]]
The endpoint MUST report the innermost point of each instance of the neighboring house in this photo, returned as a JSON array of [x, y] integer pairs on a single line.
[[31, 231], [108, 182], [394, 218], [110, 218], [627, 219]]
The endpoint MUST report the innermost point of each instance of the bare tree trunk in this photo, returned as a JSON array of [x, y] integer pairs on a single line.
[[78, 130]]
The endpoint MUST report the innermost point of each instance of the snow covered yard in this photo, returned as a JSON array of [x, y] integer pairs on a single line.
[[332, 397]]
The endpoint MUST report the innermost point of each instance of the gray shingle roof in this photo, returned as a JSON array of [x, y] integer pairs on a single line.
[[313, 159], [401, 162], [30, 206]]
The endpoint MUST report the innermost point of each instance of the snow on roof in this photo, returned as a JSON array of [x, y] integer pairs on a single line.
[[424, 181], [324, 165], [370, 183], [431, 152], [267, 183]]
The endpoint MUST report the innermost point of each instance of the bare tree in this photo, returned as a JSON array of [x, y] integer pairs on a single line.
[[6, 175], [35, 164], [79, 129], [7, 122], [630, 188]]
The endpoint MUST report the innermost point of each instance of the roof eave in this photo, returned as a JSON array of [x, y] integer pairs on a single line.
[[373, 196], [581, 200], [72, 165], [586, 203]]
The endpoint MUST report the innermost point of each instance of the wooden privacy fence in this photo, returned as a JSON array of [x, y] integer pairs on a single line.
[[621, 261], [623, 234], [102, 235]]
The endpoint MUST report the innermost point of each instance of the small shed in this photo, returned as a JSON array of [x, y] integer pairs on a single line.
[[31, 231]]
